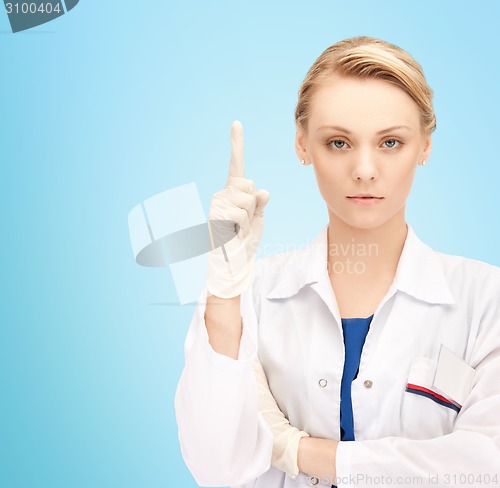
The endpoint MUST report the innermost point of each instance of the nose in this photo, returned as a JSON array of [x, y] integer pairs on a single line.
[[365, 167]]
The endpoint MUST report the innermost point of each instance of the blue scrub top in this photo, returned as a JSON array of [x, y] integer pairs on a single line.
[[355, 330]]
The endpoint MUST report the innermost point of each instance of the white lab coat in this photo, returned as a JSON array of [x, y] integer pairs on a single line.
[[291, 324]]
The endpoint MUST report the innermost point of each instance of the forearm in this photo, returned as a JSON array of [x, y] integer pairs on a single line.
[[422, 462], [317, 457], [223, 439], [223, 322]]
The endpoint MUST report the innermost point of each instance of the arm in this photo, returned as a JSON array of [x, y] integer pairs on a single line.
[[223, 322], [318, 457], [285, 437], [470, 452], [293, 450], [223, 439]]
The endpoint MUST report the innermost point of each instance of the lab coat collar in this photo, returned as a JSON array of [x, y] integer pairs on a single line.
[[419, 272]]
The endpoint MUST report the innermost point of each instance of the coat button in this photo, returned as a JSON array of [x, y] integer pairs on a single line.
[[313, 480], [368, 383], [322, 382]]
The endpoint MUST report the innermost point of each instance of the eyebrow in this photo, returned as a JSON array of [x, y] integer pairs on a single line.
[[342, 129]]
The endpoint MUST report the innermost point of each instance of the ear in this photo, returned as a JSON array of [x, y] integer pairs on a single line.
[[300, 146], [427, 147]]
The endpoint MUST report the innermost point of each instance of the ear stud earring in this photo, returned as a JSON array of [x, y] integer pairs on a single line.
[[303, 162]]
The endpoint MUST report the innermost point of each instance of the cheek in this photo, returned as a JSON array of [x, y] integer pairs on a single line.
[[329, 182], [402, 181]]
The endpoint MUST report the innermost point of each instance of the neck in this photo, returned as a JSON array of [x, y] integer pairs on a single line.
[[365, 253]]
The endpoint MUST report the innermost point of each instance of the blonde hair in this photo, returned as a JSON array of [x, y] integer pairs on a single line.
[[368, 57]]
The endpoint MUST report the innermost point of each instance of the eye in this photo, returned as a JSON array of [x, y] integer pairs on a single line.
[[337, 144], [391, 143]]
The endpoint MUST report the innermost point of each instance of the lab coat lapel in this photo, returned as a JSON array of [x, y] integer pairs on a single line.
[[310, 268], [419, 273]]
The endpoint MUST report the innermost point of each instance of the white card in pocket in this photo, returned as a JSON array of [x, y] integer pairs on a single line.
[[454, 377]]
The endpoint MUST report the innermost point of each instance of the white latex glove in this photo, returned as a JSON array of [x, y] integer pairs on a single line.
[[236, 222], [286, 437]]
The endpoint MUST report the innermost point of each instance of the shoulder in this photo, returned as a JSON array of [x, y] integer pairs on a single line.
[[475, 283], [469, 270]]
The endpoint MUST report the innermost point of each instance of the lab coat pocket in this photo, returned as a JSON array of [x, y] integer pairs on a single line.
[[432, 396]]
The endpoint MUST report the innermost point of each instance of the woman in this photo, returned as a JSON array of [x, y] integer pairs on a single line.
[[382, 355]]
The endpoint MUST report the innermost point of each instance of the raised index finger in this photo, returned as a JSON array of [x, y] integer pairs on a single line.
[[237, 164]]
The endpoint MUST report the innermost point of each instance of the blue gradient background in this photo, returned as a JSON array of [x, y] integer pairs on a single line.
[[117, 101]]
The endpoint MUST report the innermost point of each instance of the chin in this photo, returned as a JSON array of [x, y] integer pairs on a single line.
[[365, 221]]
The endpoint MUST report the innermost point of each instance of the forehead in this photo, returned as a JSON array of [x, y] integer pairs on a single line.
[[361, 104]]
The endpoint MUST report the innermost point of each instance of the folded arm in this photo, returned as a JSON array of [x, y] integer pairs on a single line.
[[293, 450], [470, 452]]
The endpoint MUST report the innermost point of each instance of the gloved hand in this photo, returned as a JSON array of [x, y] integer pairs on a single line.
[[286, 437], [236, 222]]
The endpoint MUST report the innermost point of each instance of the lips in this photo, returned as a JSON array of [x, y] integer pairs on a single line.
[[365, 200], [364, 195]]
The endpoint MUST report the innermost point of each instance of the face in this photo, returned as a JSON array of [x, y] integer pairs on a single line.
[[363, 136]]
